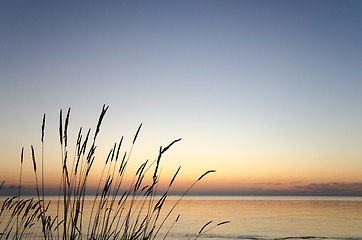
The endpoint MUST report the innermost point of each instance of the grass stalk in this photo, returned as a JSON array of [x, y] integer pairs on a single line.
[[136, 214], [19, 193]]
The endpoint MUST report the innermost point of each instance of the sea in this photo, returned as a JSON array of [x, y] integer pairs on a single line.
[[261, 218], [269, 218]]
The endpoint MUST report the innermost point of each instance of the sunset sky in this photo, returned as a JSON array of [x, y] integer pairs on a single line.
[[267, 93]]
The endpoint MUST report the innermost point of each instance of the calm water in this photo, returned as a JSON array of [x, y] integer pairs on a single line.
[[273, 218], [266, 218]]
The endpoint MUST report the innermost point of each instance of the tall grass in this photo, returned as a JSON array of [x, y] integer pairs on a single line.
[[134, 213]]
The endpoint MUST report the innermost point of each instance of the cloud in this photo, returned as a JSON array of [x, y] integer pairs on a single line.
[[332, 188], [269, 183], [295, 182], [11, 187], [11, 190], [256, 189], [286, 189]]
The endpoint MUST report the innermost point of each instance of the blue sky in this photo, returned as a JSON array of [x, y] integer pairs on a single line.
[[263, 91]]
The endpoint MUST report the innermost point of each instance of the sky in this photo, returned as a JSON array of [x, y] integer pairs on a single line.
[[267, 93]]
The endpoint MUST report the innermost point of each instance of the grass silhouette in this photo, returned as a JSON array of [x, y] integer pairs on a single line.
[[131, 214]]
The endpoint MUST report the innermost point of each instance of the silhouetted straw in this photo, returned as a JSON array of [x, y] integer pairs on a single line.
[[43, 129], [203, 175], [101, 116], [21, 170], [134, 216], [33, 158], [203, 227], [166, 148], [135, 137], [202, 233], [61, 127], [222, 223], [174, 176], [66, 128]]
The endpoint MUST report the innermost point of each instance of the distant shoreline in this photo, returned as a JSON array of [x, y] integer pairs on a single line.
[[217, 197]]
